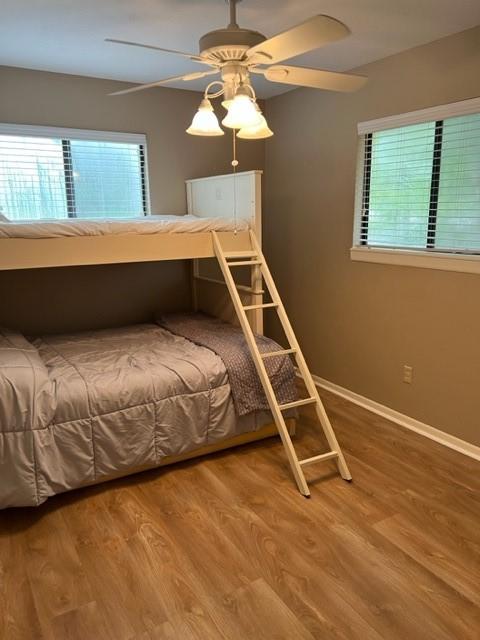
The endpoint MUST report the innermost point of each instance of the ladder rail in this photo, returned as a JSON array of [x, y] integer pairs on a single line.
[[302, 365], [261, 370], [260, 273]]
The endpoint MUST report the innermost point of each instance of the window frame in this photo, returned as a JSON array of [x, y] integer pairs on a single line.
[[66, 135], [428, 257]]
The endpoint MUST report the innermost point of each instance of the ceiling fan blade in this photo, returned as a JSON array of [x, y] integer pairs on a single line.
[[315, 32], [315, 78], [189, 76], [191, 56]]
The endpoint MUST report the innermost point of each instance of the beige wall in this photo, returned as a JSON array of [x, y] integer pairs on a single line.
[[360, 323], [79, 298], [89, 297]]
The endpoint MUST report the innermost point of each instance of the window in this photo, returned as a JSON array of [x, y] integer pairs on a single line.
[[418, 188], [68, 173]]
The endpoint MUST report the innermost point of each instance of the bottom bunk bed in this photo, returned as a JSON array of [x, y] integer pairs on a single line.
[[83, 408]]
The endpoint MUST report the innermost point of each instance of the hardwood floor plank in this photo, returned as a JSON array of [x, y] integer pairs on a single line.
[[219, 564], [345, 567], [84, 623], [443, 519], [425, 458], [168, 578], [300, 584], [120, 585], [437, 557], [18, 615], [224, 548], [437, 459], [57, 577], [261, 614]]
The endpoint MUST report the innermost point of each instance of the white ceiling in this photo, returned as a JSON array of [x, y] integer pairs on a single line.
[[67, 35]]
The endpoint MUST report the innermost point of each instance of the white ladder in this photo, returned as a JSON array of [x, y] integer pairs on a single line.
[[255, 259]]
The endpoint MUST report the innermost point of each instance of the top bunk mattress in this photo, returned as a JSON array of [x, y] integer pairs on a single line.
[[146, 225]]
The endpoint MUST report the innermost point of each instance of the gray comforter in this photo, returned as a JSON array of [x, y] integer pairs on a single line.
[[82, 408], [229, 343]]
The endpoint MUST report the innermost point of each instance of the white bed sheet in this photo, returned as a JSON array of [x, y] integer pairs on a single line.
[[109, 226]]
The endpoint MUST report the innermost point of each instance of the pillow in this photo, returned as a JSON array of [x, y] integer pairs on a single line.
[[27, 393], [3, 218]]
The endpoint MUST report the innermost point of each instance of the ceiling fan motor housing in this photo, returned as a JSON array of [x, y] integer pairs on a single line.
[[227, 44], [233, 74]]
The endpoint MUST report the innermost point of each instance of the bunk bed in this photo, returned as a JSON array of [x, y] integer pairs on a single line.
[[44, 421], [63, 436]]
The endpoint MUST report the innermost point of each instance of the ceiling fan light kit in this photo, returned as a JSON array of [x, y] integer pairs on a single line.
[[257, 132], [205, 122], [241, 111], [235, 53]]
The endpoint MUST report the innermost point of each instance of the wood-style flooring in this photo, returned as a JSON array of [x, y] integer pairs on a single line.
[[224, 548]]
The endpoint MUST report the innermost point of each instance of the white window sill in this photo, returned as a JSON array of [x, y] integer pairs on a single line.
[[424, 259]]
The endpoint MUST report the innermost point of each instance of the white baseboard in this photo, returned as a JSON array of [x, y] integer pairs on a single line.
[[467, 448]]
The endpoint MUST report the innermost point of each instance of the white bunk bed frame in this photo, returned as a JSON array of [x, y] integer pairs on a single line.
[[222, 196], [206, 197], [227, 196]]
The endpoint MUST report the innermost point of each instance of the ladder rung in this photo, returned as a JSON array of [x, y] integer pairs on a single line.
[[323, 456], [240, 254], [242, 263], [297, 403], [272, 354], [266, 305]]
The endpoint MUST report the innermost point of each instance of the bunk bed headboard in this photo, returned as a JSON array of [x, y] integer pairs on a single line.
[[219, 196], [222, 195]]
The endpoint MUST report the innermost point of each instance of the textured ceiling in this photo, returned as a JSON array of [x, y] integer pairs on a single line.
[[67, 35]]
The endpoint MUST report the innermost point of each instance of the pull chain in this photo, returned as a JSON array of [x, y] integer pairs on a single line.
[[234, 165]]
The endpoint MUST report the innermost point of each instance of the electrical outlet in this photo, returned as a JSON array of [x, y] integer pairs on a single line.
[[407, 374], [218, 194]]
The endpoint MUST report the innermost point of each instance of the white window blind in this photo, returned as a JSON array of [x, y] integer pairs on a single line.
[[418, 185], [60, 173]]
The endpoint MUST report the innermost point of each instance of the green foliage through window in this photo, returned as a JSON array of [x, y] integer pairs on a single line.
[[59, 178], [421, 186]]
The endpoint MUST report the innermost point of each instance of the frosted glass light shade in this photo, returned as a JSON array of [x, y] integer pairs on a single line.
[[205, 122], [228, 94], [241, 113], [256, 132]]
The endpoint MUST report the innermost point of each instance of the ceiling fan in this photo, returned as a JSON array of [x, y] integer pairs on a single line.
[[235, 53]]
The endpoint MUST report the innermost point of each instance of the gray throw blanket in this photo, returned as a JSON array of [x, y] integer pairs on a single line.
[[228, 342]]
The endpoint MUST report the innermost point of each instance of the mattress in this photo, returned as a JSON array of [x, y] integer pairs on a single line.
[[83, 408], [145, 225]]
